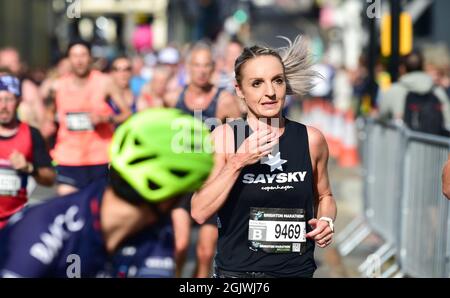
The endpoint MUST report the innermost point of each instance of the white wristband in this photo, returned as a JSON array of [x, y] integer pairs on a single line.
[[330, 222]]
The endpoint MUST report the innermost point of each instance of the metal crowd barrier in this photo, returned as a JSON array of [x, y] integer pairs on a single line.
[[403, 202], [425, 212]]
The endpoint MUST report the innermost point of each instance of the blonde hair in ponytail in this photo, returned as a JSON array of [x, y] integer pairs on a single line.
[[297, 66], [295, 59]]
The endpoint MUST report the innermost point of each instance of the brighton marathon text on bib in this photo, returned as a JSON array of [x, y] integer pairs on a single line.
[[277, 230], [9, 182], [79, 122]]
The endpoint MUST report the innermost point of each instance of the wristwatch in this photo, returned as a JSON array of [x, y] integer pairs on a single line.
[[330, 222]]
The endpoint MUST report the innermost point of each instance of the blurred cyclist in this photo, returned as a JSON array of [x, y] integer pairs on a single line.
[[119, 227], [214, 105]]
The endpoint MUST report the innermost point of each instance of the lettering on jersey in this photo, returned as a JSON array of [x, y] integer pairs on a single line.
[[59, 230], [250, 178], [129, 251], [166, 263], [284, 187], [275, 162], [9, 274]]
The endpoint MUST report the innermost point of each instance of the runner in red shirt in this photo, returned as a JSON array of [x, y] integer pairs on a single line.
[[22, 152]]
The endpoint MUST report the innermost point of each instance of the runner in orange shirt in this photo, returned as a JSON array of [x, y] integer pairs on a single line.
[[86, 121]]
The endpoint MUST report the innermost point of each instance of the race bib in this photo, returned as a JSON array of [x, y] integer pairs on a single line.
[[277, 230], [10, 182], [79, 122]]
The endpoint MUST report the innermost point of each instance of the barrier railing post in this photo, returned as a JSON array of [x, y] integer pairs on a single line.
[[403, 202]]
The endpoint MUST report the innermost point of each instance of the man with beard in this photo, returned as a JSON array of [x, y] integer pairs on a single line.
[[22, 152]]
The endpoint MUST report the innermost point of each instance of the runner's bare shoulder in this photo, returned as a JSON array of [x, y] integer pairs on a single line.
[[315, 137], [318, 147], [56, 83]]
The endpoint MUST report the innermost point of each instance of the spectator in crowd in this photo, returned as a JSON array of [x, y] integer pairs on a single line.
[[416, 100], [153, 93], [137, 80], [31, 109]]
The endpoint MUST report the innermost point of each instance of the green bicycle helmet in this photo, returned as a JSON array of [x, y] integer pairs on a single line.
[[162, 153]]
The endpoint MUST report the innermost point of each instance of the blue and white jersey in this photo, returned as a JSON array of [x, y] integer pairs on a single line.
[[62, 237]]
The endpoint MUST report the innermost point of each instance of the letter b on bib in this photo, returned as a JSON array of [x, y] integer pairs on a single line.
[[257, 234]]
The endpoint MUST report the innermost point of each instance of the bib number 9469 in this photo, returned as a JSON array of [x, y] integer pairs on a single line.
[[277, 230], [287, 231]]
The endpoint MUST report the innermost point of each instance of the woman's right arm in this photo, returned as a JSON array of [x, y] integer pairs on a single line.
[[227, 167]]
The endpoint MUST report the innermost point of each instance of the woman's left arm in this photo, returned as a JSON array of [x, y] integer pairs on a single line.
[[325, 204]]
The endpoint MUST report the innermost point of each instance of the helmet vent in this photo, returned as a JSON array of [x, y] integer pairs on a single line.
[[137, 142], [179, 173], [122, 142], [142, 159], [152, 185]]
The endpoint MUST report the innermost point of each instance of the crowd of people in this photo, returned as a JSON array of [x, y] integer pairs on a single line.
[[126, 200], [126, 204], [260, 208]]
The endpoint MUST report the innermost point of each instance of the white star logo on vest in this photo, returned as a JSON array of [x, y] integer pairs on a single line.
[[275, 162]]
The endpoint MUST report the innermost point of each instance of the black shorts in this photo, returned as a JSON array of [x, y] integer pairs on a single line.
[[185, 203], [219, 273], [80, 176]]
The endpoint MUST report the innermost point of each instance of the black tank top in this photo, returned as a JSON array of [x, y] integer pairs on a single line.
[[208, 113], [280, 185]]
